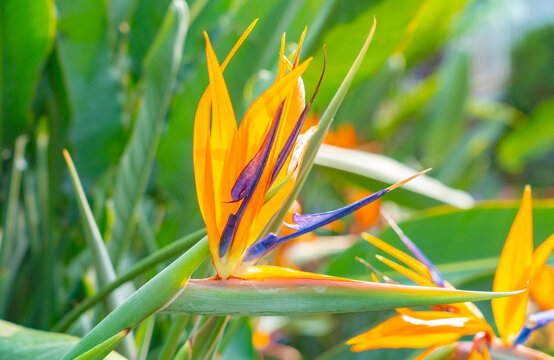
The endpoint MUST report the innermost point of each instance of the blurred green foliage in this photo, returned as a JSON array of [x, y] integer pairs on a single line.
[[116, 84], [532, 78]]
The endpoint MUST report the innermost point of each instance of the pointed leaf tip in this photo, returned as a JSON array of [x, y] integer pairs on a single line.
[[400, 183]]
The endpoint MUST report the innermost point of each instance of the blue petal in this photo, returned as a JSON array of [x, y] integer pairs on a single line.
[[248, 183], [261, 247], [539, 320], [305, 224], [285, 152], [436, 276], [310, 222]]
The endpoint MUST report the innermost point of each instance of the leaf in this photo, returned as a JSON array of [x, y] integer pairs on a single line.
[[160, 70], [388, 170], [92, 84], [19, 343], [9, 262], [27, 28], [173, 336], [175, 248], [444, 121], [530, 141], [272, 297], [149, 299], [392, 26], [102, 350], [432, 28], [481, 231], [207, 338], [144, 24], [102, 264]]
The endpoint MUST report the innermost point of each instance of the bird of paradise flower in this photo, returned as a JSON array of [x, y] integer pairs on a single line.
[[244, 174], [519, 264]]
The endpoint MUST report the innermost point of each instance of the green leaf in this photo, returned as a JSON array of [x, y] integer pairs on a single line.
[[173, 336], [207, 338], [175, 248], [143, 337], [19, 343], [160, 70], [27, 28], [102, 264], [9, 263], [532, 140], [271, 297], [144, 23], [389, 171], [433, 27], [92, 84], [392, 26], [102, 350], [444, 122], [449, 235], [149, 299]]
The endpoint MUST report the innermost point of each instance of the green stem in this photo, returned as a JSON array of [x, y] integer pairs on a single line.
[[9, 236], [149, 299], [178, 325], [174, 249]]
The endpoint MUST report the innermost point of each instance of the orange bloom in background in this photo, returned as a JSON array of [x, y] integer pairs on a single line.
[[519, 264], [369, 215], [344, 136]]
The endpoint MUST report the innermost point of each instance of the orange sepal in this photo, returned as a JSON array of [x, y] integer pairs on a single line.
[[419, 329], [402, 256], [516, 258], [264, 272], [542, 288]]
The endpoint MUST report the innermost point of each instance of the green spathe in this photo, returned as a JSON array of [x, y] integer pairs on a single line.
[[309, 296]]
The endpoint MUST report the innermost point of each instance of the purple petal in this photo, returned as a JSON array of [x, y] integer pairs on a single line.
[[306, 223], [309, 222], [289, 145], [246, 178], [261, 247], [539, 320], [228, 234], [436, 276], [252, 181]]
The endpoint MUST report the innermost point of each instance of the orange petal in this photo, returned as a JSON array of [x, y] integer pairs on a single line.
[[258, 117], [417, 330], [542, 288], [224, 126], [517, 254], [262, 272], [412, 275], [202, 151], [402, 256], [540, 256]]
